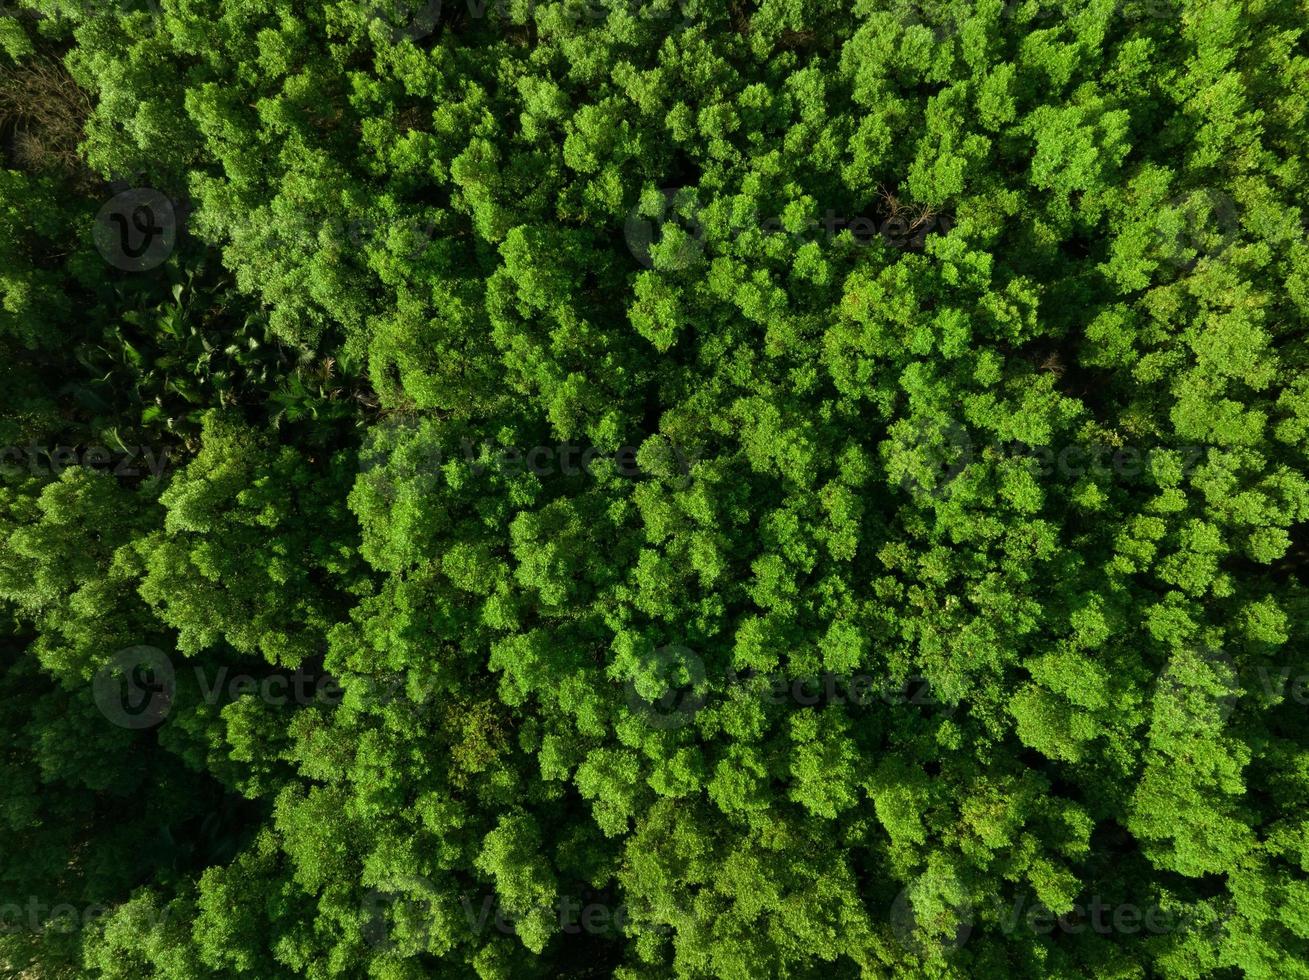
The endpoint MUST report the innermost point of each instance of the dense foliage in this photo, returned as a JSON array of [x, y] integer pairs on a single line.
[[655, 488]]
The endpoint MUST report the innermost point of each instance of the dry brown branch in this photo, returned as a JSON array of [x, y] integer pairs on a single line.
[[43, 113]]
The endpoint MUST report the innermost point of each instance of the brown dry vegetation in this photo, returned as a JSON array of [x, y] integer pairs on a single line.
[[42, 115]]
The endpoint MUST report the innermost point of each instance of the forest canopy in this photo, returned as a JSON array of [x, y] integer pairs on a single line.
[[654, 489]]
